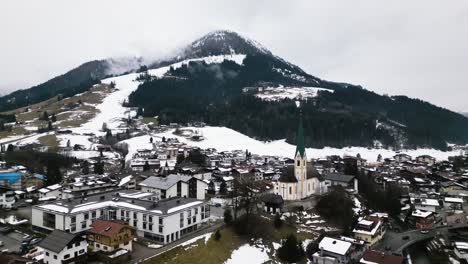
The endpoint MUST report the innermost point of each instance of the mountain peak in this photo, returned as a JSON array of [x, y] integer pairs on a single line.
[[220, 42]]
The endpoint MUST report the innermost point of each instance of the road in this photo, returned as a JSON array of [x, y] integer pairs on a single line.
[[394, 241], [12, 241]]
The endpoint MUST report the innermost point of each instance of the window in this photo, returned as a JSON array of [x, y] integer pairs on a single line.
[[290, 190], [48, 220], [134, 215], [144, 217], [81, 251], [69, 246], [66, 256], [196, 210], [160, 229], [144, 225], [93, 214], [194, 219], [161, 220], [86, 216], [55, 256], [122, 213], [298, 163], [150, 219], [150, 227], [83, 224], [47, 253], [73, 219], [77, 244]]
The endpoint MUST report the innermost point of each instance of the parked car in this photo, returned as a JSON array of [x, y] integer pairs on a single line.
[[405, 237], [35, 240], [424, 231], [5, 229]]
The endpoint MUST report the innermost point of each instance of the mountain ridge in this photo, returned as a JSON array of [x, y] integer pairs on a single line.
[[228, 94]]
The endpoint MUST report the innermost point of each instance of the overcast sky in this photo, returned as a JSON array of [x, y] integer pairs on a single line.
[[415, 48]]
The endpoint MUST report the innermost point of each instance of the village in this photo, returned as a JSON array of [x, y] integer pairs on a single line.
[[117, 203]]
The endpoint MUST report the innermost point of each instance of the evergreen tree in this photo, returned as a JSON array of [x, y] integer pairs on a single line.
[[45, 116], [277, 221], [217, 235], [53, 118], [379, 158], [99, 168], [49, 126], [108, 134], [151, 140], [10, 148], [68, 143], [163, 139], [85, 167], [146, 167], [223, 188], [53, 174], [104, 126], [291, 250], [227, 216]]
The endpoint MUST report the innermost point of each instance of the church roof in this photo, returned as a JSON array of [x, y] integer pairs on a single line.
[[287, 174], [300, 145]]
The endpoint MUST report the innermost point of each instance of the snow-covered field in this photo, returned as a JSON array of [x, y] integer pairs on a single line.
[[225, 139], [281, 92]]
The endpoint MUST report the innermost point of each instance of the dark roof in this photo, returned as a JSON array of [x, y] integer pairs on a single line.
[[107, 228], [272, 198], [287, 174], [57, 240], [336, 177], [381, 257], [300, 145]]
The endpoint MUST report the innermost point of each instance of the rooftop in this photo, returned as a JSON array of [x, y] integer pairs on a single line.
[[125, 199], [334, 245]]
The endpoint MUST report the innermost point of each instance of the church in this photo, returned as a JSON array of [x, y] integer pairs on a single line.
[[300, 180]]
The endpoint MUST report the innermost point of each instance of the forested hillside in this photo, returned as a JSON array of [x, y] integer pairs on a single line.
[[73, 82], [349, 116]]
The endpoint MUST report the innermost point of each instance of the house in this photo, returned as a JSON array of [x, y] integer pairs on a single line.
[[106, 235], [7, 197], [175, 185], [272, 203], [370, 229], [461, 250], [423, 219], [346, 181], [402, 157], [63, 247], [378, 257], [50, 192], [453, 203], [338, 250], [426, 159], [163, 221], [425, 204]]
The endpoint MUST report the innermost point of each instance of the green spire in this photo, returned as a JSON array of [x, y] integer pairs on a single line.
[[300, 147]]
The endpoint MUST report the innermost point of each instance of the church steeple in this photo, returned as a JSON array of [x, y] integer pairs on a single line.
[[300, 146]]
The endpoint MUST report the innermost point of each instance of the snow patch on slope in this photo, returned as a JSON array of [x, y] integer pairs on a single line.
[[226, 139], [248, 254], [281, 92]]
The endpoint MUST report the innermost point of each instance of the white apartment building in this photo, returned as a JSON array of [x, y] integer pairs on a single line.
[[164, 221]]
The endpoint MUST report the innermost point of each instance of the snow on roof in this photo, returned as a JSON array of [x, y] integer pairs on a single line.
[[461, 245], [44, 190], [54, 187], [228, 178], [55, 207], [334, 245], [419, 213], [135, 195], [453, 200], [366, 222], [178, 208], [372, 232], [125, 180]]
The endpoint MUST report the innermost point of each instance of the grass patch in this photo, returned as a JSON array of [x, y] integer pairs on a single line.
[[211, 252], [48, 140], [148, 120]]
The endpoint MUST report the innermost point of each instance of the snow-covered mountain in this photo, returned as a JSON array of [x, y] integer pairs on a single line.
[[254, 95]]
